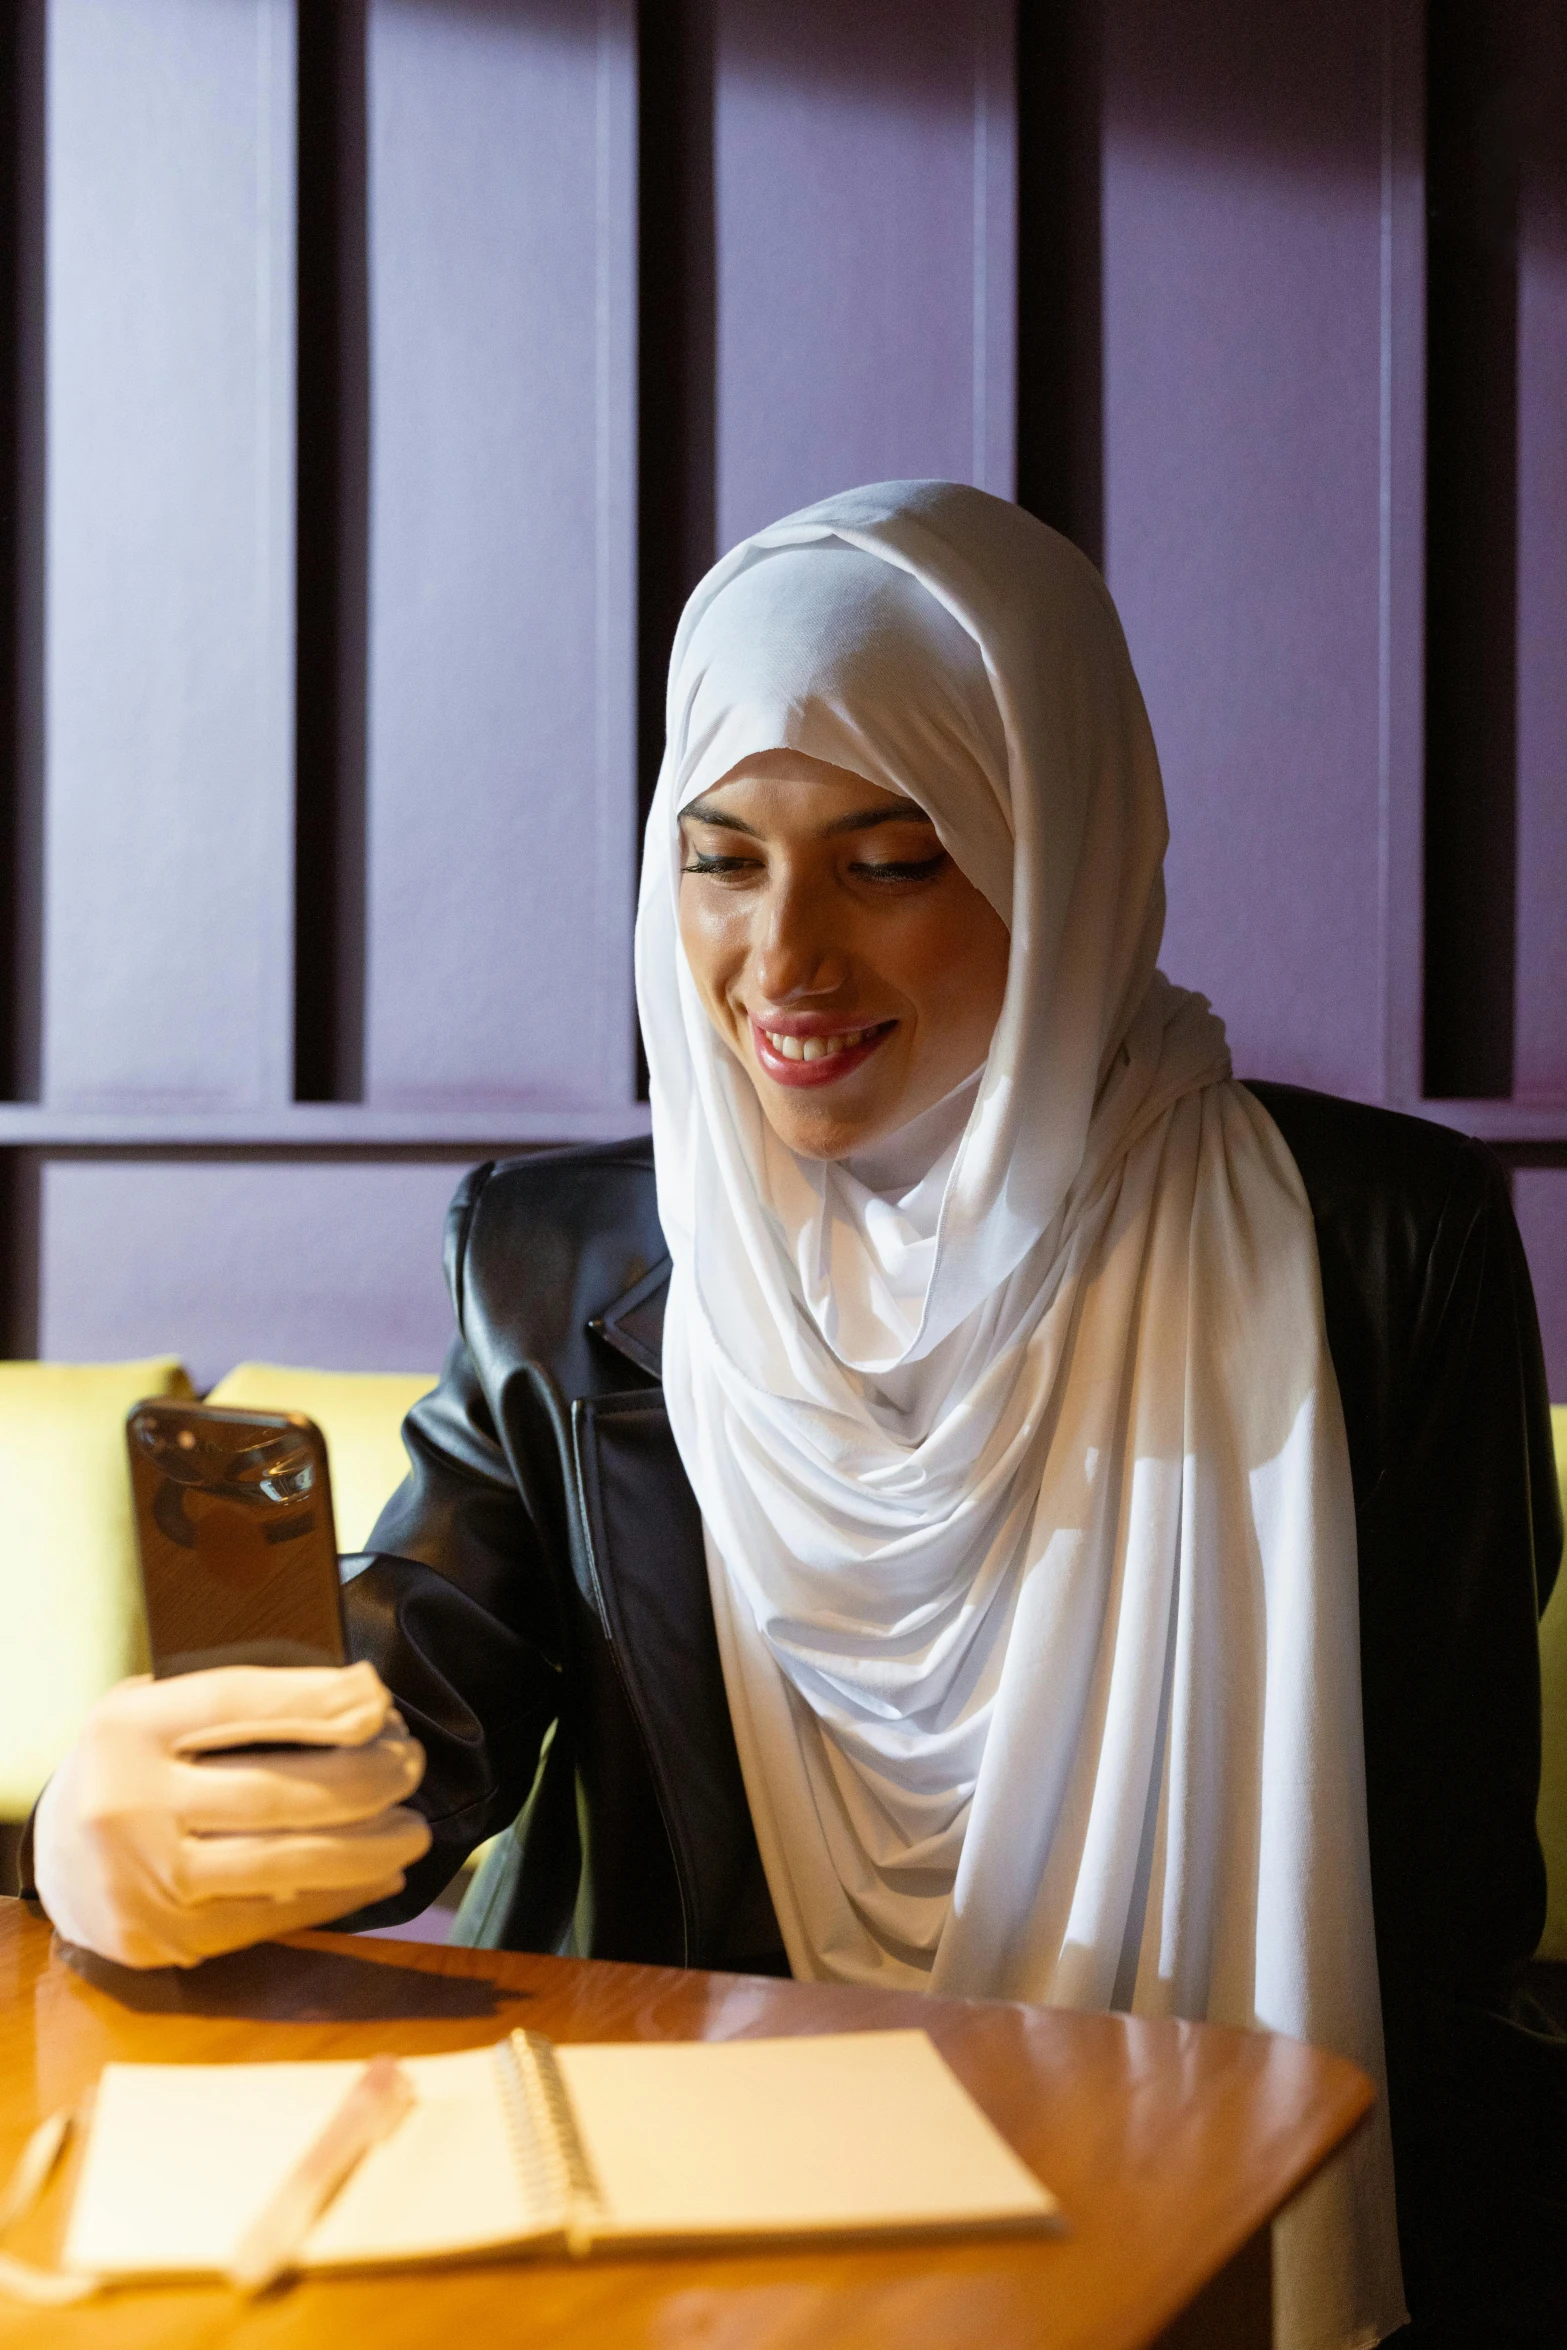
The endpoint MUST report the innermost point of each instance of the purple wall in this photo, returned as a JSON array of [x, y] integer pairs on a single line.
[[220, 1261], [1540, 1197], [1243, 462], [888, 352], [501, 809], [1221, 264], [1540, 1071], [168, 552]]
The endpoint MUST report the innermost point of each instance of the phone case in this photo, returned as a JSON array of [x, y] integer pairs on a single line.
[[234, 1527]]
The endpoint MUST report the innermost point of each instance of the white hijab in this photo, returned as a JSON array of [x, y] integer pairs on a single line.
[[1017, 1443]]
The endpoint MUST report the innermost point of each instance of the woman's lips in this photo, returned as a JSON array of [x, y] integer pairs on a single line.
[[821, 1059]]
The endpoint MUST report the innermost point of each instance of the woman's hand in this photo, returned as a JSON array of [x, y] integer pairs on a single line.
[[155, 1848]]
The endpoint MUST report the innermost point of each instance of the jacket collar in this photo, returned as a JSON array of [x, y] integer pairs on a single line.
[[634, 1324]]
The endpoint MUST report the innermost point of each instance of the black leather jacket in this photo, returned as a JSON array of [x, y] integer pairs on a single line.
[[543, 1562], [536, 1595]]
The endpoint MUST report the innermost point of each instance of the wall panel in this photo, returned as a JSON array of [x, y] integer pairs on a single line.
[[1540, 1198], [1540, 1019], [333, 1264], [501, 790], [1243, 256], [1226, 371], [864, 217], [168, 719]]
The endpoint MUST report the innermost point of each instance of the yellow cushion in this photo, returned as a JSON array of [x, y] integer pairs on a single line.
[[1553, 1774], [70, 1594], [360, 1413]]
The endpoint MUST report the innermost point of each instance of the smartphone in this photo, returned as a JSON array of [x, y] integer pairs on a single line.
[[234, 1526]]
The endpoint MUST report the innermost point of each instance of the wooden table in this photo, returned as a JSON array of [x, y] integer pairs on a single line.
[[1170, 2146]]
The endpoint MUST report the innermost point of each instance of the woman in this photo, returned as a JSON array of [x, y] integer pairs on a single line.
[[1016, 1646]]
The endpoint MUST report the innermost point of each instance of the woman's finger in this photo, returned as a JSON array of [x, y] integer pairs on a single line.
[[282, 1867], [231, 1705], [227, 1704], [313, 1787], [217, 1926]]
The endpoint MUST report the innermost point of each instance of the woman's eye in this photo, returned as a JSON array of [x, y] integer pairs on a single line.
[[920, 869], [697, 863]]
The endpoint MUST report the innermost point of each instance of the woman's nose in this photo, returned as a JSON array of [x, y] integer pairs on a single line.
[[792, 950]]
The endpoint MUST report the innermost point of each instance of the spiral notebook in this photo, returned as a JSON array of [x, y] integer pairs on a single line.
[[533, 2145]]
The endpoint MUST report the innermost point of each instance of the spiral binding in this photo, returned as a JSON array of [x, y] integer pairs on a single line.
[[552, 2162]]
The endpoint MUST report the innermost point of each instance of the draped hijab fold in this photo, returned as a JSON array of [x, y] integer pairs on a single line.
[[1017, 1443]]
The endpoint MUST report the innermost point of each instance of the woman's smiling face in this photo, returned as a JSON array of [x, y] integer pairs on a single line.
[[856, 974]]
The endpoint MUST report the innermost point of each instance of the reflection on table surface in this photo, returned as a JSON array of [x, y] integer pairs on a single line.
[[1170, 2146]]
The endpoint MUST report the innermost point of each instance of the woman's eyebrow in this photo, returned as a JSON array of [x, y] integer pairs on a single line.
[[702, 814], [905, 812], [860, 820]]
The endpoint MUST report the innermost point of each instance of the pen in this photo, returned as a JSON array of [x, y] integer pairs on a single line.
[[369, 2112]]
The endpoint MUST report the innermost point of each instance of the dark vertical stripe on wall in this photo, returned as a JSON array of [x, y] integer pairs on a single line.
[[1474, 115], [333, 483], [353, 540], [21, 541], [676, 351], [19, 1193], [676, 515], [1060, 430]]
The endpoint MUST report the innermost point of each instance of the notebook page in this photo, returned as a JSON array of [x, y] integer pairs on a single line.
[[843, 2131], [445, 2181], [181, 2157]]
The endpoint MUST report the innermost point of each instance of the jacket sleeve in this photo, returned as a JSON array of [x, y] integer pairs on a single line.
[[1460, 1542], [455, 1607]]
